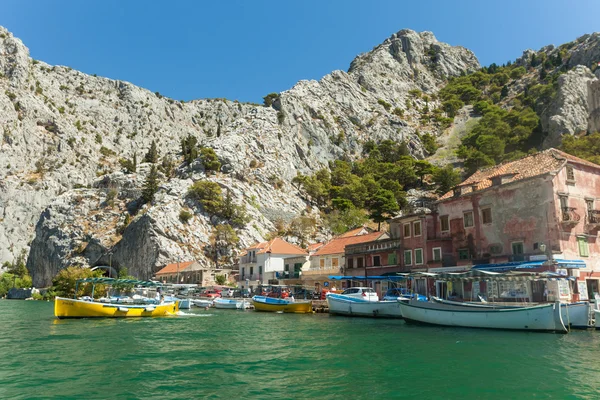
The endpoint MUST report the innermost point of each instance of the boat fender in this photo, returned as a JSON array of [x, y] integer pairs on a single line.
[[375, 313], [123, 309], [149, 309]]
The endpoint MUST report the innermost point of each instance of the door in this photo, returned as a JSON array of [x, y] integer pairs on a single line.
[[517, 250], [538, 290], [592, 287], [441, 289]]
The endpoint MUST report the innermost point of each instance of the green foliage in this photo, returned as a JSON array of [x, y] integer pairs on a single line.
[[106, 152], [98, 138], [185, 216], [586, 147], [224, 234], [398, 112], [235, 213], [150, 185], [429, 143], [208, 194], [209, 159], [517, 72], [64, 282], [189, 148], [128, 165], [385, 104], [270, 98], [152, 154], [220, 279], [451, 105], [340, 221], [445, 178]]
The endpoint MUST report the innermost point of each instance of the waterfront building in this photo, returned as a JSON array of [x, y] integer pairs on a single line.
[[535, 212], [189, 272], [330, 259], [263, 263]]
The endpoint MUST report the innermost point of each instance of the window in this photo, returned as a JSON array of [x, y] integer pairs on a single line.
[[322, 263], [243, 274], [468, 219], [376, 261], [463, 254], [335, 262], [563, 201], [407, 257], [437, 254], [570, 174], [486, 215], [359, 262], [406, 230], [517, 248], [583, 246], [350, 263], [287, 267], [251, 270], [417, 228], [260, 269], [391, 259], [496, 249], [445, 223], [418, 256]]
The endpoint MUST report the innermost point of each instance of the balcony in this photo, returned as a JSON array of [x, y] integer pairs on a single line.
[[321, 271], [376, 246], [254, 277], [569, 216], [287, 275], [593, 218], [247, 259]]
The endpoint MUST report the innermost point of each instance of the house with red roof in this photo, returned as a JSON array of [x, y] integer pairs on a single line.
[[539, 211], [330, 258], [264, 262]]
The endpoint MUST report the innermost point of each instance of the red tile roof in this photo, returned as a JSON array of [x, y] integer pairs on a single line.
[[314, 246], [172, 268], [277, 246], [355, 232], [537, 164], [337, 245]]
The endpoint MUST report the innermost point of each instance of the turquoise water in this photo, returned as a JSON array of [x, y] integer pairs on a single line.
[[245, 354]]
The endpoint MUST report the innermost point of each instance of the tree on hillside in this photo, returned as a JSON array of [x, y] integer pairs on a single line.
[[208, 194], [445, 178], [382, 206], [209, 159], [189, 148], [152, 154], [150, 186]]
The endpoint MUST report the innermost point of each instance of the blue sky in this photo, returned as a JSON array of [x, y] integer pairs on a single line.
[[245, 49]]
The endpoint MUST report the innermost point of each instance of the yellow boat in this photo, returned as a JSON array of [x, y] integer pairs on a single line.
[[73, 308], [76, 308], [263, 303]]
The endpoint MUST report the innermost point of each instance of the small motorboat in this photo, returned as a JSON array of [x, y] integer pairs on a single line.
[[264, 303], [202, 303], [347, 305], [232, 304]]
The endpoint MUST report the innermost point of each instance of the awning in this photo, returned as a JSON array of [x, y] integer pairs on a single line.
[[369, 278], [570, 263], [113, 281], [500, 267]]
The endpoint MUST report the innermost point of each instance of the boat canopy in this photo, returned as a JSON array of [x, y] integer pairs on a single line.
[[369, 278], [517, 265], [476, 274], [113, 281]]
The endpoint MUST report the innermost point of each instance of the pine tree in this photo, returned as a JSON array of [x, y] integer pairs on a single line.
[[152, 154], [504, 91], [150, 186], [134, 161]]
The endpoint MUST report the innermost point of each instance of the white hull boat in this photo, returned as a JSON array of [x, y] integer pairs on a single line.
[[185, 304], [232, 304], [345, 305], [546, 317], [202, 303], [574, 315]]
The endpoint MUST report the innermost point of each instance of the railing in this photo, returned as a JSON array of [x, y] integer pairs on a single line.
[[254, 277], [321, 271], [569, 215], [287, 275], [593, 217], [247, 260], [372, 247]]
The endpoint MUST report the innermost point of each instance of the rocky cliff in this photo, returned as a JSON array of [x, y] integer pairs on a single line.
[[64, 133], [64, 197]]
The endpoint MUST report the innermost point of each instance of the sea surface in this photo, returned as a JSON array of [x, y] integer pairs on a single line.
[[234, 354]]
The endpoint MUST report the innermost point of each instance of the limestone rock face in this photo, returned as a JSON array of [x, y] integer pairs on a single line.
[[64, 132], [575, 109]]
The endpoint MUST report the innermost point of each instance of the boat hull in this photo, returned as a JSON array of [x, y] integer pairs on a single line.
[[202, 303], [185, 304], [574, 315], [262, 303], [343, 305], [231, 304], [72, 308], [545, 317]]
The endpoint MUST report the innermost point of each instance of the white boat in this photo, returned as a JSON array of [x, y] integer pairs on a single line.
[[233, 304], [546, 317], [202, 303], [574, 315], [346, 305], [185, 304]]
